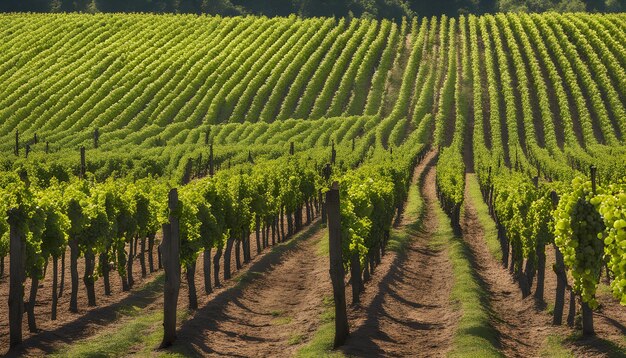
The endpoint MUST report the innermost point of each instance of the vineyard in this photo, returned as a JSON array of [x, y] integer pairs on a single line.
[[511, 124]]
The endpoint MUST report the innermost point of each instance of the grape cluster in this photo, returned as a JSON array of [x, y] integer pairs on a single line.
[[578, 235], [613, 210]]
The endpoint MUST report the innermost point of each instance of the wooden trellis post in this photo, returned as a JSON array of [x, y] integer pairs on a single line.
[[170, 249], [211, 165], [16, 279], [336, 265], [82, 162]]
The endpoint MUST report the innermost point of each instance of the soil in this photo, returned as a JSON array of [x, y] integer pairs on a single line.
[[68, 326], [405, 310], [278, 309]]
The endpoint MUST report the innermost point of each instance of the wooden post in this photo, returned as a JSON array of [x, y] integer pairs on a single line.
[[16, 150], [82, 162], [333, 154], [336, 265], [47, 147], [327, 171], [55, 283], [292, 150], [16, 279], [353, 143], [322, 207], [27, 150], [486, 195], [206, 266], [211, 165], [170, 248], [250, 157]]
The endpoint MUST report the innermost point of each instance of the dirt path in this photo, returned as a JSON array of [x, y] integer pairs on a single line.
[[405, 310], [278, 308], [522, 329]]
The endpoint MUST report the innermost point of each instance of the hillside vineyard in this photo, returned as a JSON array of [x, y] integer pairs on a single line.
[[242, 115]]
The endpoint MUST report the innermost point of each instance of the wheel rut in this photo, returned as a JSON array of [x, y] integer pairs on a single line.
[[406, 309], [277, 305], [522, 328]]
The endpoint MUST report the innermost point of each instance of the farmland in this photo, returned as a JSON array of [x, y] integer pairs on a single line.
[[479, 158]]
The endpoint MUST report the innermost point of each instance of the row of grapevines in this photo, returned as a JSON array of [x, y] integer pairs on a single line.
[[238, 100]]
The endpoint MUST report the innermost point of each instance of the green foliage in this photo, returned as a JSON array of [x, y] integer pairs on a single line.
[[541, 5]]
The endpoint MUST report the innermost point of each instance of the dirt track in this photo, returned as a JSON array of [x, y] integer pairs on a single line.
[[406, 310], [271, 315], [522, 329]]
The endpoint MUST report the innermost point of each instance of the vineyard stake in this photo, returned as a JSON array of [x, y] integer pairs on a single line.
[[337, 273], [82, 162], [211, 169], [170, 248], [16, 279]]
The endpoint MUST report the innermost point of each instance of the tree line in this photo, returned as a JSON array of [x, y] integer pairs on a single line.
[[311, 8]]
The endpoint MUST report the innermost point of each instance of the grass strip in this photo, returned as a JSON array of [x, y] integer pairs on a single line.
[[474, 336], [553, 347], [482, 210]]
